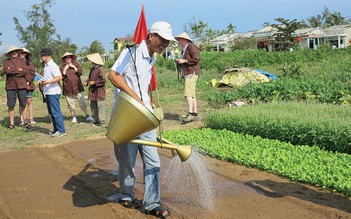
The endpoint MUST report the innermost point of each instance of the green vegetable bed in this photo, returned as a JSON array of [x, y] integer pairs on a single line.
[[331, 170]]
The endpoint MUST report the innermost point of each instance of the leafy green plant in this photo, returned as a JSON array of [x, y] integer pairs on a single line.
[[327, 126], [300, 163]]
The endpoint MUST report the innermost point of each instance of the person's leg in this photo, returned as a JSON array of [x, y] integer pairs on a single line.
[[22, 98], [94, 110], [30, 106], [11, 112], [11, 96], [48, 103], [23, 115], [151, 164], [71, 106], [82, 103], [56, 114], [126, 160], [190, 103], [190, 94], [101, 111]]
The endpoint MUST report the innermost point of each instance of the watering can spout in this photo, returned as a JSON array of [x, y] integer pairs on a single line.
[[183, 152]]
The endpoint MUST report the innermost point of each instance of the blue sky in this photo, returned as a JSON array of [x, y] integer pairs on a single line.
[[86, 20]]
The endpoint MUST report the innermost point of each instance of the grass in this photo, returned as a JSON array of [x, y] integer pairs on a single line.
[[171, 99], [20, 137]]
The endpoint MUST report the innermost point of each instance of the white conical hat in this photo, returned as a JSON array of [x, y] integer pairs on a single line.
[[26, 50], [95, 58], [12, 48], [184, 36], [68, 54]]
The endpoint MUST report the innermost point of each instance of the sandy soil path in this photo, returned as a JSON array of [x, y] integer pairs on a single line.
[[76, 180]]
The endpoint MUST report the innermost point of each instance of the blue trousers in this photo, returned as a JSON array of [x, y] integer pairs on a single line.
[[126, 155], [53, 103]]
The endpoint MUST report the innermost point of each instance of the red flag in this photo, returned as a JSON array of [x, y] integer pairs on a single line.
[[140, 34]]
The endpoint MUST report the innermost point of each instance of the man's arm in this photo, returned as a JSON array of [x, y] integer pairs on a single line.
[[118, 81]]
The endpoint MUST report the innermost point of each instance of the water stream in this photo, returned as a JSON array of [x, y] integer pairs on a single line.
[[190, 182]]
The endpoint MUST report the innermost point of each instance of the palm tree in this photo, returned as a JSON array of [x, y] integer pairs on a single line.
[[231, 28], [337, 19], [315, 21]]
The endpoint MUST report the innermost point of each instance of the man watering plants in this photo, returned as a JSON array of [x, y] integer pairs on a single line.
[[131, 73]]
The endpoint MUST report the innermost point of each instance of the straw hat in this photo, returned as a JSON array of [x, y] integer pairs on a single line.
[[11, 49], [95, 58], [68, 54], [26, 50], [183, 36]]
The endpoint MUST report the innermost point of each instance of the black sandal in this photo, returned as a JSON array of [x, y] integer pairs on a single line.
[[129, 203], [28, 126], [11, 127], [158, 212]]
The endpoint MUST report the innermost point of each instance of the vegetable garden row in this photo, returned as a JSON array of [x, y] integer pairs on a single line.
[[298, 127]]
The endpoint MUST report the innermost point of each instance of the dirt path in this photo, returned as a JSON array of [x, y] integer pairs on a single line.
[[75, 181]]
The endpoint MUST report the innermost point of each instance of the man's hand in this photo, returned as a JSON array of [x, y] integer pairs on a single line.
[[181, 61]]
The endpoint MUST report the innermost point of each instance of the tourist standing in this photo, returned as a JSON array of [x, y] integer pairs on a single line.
[[73, 86], [97, 89], [190, 64], [15, 69], [52, 92], [25, 54]]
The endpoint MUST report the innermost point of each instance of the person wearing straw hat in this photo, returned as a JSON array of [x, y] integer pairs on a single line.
[[73, 86], [15, 69], [30, 88], [97, 89], [190, 64], [52, 92], [131, 73]]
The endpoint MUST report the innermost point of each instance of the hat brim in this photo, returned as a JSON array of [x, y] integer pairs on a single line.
[[74, 57], [8, 54], [167, 36], [177, 38]]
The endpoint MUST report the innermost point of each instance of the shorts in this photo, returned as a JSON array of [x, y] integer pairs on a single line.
[[189, 86], [29, 93], [12, 96]]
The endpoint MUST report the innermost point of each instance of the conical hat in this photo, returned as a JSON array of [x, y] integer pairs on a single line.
[[184, 36], [95, 58], [26, 50], [12, 48], [68, 54]]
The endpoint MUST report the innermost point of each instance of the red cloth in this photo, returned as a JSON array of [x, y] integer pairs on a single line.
[[140, 34]]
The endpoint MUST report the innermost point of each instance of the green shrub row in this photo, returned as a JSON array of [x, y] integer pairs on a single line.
[[260, 58], [327, 126], [326, 169], [288, 90]]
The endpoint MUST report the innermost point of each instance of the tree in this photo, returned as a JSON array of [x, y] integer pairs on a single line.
[[231, 28], [198, 29], [284, 38], [315, 21], [96, 47], [327, 19], [41, 32]]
